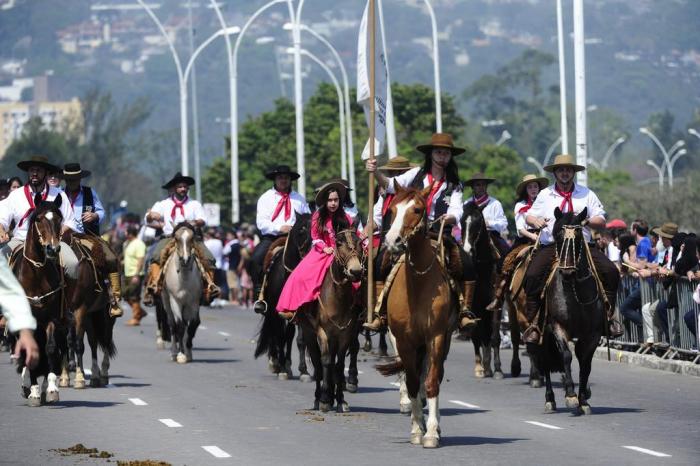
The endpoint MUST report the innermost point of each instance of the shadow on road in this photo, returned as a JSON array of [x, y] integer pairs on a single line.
[[196, 348], [213, 361], [614, 410], [376, 389], [458, 411], [462, 441], [131, 384], [84, 404], [366, 409]]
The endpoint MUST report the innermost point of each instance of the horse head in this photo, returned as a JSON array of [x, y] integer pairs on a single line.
[[568, 235], [45, 226], [348, 254], [473, 227], [184, 240], [409, 215]]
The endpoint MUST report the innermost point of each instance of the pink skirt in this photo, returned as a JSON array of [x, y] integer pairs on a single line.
[[304, 283]]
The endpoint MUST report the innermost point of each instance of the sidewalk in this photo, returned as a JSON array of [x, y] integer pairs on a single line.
[[650, 361]]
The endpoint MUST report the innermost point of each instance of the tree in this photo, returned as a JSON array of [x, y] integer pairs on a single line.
[[37, 139]]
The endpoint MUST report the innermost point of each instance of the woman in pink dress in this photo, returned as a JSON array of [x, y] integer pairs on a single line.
[[304, 284]]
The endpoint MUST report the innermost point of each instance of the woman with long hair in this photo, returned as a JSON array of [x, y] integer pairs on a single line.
[[304, 284]]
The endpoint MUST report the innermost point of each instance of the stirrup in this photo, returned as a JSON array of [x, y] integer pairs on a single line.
[[377, 324], [532, 334], [115, 310], [260, 306], [287, 315]]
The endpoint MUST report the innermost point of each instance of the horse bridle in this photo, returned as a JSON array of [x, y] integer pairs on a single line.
[[343, 260], [568, 250], [43, 243]]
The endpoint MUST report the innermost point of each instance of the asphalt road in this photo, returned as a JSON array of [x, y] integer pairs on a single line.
[[226, 408]]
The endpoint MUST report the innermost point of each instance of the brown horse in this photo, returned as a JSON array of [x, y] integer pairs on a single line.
[[421, 310], [39, 271], [330, 324]]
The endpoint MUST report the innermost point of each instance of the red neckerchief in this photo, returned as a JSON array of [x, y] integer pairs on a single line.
[[285, 202], [178, 205], [481, 201], [433, 192], [566, 202], [30, 200], [526, 207], [73, 197], [387, 202]]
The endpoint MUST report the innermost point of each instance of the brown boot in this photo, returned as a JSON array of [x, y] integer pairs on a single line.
[[137, 313], [498, 296], [532, 333], [379, 321], [151, 283], [115, 283], [467, 318], [615, 328], [287, 315], [211, 291]]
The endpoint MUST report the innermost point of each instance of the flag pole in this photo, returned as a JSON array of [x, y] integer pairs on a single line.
[[372, 123]]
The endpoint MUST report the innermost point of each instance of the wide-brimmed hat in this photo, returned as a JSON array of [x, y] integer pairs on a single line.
[[668, 230], [564, 160], [478, 176], [281, 170], [323, 191], [72, 171], [177, 179], [530, 178], [38, 161], [345, 182], [397, 164], [441, 141]]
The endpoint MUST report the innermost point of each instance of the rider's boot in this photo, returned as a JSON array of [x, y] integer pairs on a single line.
[[151, 283], [532, 332], [379, 321], [288, 315], [498, 296], [615, 328], [211, 291], [467, 318], [115, 283], [260, 306], [137, 313]]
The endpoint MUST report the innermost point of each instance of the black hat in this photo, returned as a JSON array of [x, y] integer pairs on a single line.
[[281, 170], [73, 171], [38, 161], [178, 178]]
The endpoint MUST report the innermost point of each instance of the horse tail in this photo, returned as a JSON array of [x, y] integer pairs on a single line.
[[272, 328], [102, 325], [391, 368], [268, 334]]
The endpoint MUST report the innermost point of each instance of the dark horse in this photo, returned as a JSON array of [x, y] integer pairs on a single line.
[[486, 337], [573, 310], [88, 298], [330, 324], [38, 269], [276, 334]]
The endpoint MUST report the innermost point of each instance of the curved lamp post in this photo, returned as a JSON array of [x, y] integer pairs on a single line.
[[667, 154], [611, 150]]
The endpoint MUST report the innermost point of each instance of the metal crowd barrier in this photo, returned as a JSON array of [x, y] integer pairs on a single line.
[[672, 338]]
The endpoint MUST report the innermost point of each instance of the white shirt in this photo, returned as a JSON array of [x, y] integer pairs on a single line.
[[494, 216], [352, 212], [613, 252], [548, 200], [193, 211], [78, 209], [454, 200], [16, 205], [216, 247], [15, 306], [520, 223], [266, 208]]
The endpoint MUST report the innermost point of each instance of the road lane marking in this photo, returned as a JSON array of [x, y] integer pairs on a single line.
[[347, 371], [202, 327], [138, 401], [216, 451], [542, 424], [647, 451], [224, 334], [462, 403], [396, 384], [170, 423]]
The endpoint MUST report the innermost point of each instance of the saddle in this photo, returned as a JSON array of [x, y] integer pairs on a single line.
[[88, 247], [280, 244], [521, 264]]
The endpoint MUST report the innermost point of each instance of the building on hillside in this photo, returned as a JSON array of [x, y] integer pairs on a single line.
[[61, 115]]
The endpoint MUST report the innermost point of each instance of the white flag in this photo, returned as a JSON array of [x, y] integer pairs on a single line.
[[380, 88]]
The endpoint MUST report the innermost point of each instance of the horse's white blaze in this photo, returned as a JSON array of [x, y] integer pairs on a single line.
[[184, 238], [433, 418], [465, 235], [394, 232], [49, 216]]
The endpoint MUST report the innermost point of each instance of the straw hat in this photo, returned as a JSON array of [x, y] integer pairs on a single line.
[[440, 141], [530, 178], [668, 230], [564, 160], [478, 176], [38, 161], [324, 191], [397, 164]]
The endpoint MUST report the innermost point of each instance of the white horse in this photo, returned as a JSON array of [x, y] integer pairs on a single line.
[[182, 289]]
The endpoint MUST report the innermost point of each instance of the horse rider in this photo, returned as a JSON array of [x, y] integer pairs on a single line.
[[88, 214], [568, 197], [491, 209], [19, 205], [444, 202], [171, 211], [276, 214], [526, 192]]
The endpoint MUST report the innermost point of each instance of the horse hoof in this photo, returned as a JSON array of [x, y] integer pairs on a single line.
[[52, 397], [160, 344], [64, 382], [316, 405], [181, 358], [572, 402], [367, 347], [79, 384], [431, 442], [345, 408], [417, 438], [488, 373], [306, 378], [351, 387], [95, 382], [34, 402], [550, 407], [498, 375], [535, 383], [479, 373], [25, 392], [585, 410], [104, 381], [71, 366], [405, 408], [282, 376], [324, 407], [515, 371]]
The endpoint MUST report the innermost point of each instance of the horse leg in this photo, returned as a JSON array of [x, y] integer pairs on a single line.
[[301, 347], [190, 332], [515, 366], [285, 352], [71, 349], [368, 341], [478, 367], [54, 361], [173, 338], [435, 371], [584, 353], [413, 388], [322, 340], [496, 345], [562, 345], [354, 349], [96, 375], [315, 355], [179, 338], [34, 395], [64, 379], [550, 405], [383, 348], [78, 336], [340, 405]]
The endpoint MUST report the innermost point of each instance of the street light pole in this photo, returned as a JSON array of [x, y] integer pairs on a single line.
[[660, 171], [562, 82], [611, 151], [667, 154], [550, 151], [436, 68], [580, 90], [298, 103], [539, 166], [694, 132], [195, 115]]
